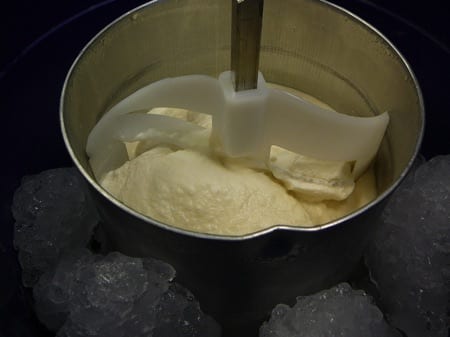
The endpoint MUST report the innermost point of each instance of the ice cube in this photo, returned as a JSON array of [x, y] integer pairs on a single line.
[[53, 214], [59, 286], [409, 255], [179, 315], [339, 311], [118, 296]]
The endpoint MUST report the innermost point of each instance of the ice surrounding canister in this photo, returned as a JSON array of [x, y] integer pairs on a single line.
[[78, 293], [339, 311], [118, 296], [409, 257], [53, 215]]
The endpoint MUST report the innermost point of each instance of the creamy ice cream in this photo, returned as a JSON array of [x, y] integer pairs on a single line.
[[184, 184]]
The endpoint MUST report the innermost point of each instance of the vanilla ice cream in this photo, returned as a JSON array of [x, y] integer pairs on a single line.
[[184, 184]]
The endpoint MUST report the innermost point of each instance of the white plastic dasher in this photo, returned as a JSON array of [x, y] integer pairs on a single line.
[[246, 122]]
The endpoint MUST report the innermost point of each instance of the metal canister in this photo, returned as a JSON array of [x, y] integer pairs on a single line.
[[309, 45]]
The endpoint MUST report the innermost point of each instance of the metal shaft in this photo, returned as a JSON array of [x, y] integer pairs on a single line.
[[245, 42]]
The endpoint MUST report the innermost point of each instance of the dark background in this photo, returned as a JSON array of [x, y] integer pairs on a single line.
[[40, 39]]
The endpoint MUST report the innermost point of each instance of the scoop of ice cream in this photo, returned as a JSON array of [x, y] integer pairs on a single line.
[[198, 193], [308, 178], [312, 179]]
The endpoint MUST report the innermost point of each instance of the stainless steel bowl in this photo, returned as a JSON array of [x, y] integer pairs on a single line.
[[309, 45]]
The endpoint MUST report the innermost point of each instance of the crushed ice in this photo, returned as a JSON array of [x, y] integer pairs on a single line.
[[53, 215], [409, 257], [117, 296], [79, 293], [339, 311]]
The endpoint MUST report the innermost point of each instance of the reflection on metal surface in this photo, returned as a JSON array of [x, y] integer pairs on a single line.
[[247, 18]]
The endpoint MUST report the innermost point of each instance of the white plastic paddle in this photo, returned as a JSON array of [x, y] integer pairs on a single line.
[[247, 116]]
